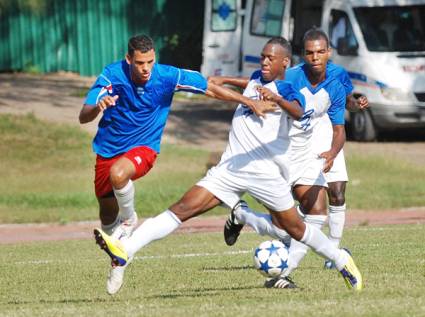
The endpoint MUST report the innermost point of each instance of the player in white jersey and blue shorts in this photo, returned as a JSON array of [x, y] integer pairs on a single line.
[[248, 165], [325, 102], [134, 97]]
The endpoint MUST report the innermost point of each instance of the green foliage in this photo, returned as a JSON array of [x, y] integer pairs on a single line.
[[197, 275]]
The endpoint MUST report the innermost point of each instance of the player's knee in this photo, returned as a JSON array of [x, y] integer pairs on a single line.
[[185, 210], [118, 176], [337, 199]]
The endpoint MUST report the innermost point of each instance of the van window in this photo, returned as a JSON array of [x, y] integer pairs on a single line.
[[395, 28], [223, 16], [267, 17], [341, 31]]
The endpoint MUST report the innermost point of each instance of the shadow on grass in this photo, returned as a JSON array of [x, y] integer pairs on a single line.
[[228, 268], [204, 292]]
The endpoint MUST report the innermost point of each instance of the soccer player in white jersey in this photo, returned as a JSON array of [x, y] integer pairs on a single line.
[[248, 165], [325, 101]]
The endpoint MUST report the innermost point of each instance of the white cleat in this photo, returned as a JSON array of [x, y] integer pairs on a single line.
[[116, 278], [125, 227]]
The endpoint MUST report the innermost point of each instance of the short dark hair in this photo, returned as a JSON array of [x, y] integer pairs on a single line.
[[142, 43], [314, 34], [282, 42]]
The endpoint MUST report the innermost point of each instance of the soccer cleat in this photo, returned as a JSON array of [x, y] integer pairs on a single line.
[[280, 282], [116, 278], [351, 274], [112, 246], [125, 227], [231, 229], [330, 265]]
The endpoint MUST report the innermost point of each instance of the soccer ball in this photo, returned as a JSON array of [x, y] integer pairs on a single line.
[[271, 258]]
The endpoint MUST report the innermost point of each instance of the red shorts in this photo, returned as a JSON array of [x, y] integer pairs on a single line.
[[142, 157]]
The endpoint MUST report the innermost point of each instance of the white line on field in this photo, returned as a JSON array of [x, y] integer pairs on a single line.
[[147, 257]]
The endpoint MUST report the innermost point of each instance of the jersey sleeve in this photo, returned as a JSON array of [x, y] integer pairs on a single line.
[[336, 110], [191, 81], [288, 92], [345, 80], [101, 87]]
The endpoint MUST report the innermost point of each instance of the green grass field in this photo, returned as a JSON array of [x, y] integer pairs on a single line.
[[47, 176], [197, 275]]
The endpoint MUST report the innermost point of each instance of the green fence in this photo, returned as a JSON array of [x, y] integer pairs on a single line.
[[82, 36]]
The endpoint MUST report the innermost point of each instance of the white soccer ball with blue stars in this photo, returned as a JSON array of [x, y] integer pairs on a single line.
[[271, 258]]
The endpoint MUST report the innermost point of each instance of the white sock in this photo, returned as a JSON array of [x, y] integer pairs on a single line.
[[320, 244], [109, 229], [336, 223], [260, 222], [151, 229], [298, 250], [125, 199]]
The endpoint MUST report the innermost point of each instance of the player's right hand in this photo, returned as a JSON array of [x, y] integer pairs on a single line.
[[106, 102]]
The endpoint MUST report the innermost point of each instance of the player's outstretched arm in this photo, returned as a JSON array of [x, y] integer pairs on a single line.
[[88, 113], [338, 140], [240, 82], [293, 108], [259, 107]]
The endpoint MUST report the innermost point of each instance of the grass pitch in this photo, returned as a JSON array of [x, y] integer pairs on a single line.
[[47, 175], [197, 275]]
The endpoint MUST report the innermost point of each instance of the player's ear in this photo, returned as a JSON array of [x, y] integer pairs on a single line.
[[330, 52], [128, 58], [286, 61]]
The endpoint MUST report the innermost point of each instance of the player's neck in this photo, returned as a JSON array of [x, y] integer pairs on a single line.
[[316, 79]]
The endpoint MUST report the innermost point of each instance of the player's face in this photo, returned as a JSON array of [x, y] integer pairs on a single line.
[[141, 65], [316, 55], [273, 62]]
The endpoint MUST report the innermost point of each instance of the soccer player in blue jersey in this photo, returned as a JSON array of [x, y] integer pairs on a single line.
[[252, 163], [134, 97]]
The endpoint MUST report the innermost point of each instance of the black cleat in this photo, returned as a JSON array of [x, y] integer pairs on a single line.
[[280, 282], [231, 229]]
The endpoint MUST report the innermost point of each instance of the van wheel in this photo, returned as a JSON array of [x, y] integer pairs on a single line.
[[362, 127]]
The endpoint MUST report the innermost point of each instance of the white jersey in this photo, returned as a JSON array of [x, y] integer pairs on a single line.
[[324, 103], [256, 144]]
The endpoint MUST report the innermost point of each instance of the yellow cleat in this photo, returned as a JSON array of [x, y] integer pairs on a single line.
[[112, 246], [351, 274]]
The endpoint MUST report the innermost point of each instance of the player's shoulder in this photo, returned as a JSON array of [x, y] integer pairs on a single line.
[[295, 73], [116, 72], [256, 75], [335, 88], [335, 70]]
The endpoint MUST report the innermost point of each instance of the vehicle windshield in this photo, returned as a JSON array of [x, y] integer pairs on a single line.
[[393, 29]]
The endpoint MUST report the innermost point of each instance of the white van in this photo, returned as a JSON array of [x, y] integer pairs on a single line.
[[381, 43]]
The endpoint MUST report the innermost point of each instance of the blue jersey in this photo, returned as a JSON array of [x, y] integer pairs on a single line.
[[339, 72], [141, 111], [328, 97]]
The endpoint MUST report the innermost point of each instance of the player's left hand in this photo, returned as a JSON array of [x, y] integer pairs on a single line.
[[329, 157], [261, 107], [362, 102], [267, 94]]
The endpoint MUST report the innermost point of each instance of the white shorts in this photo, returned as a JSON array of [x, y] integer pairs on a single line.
[[273, 191], [338, 172], [308, 172]]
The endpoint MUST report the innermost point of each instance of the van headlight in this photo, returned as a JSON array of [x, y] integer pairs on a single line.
[[396, 94]]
